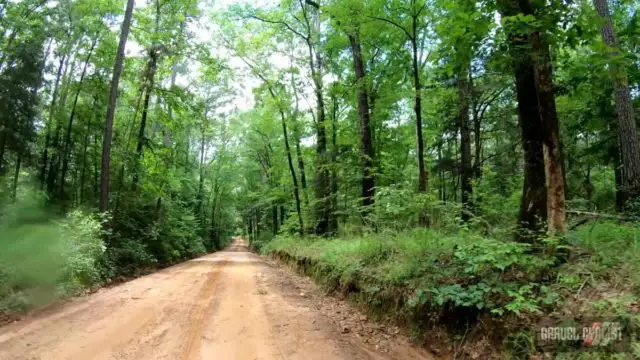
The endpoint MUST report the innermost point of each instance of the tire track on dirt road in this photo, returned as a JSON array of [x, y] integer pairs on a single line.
[[199, 313]]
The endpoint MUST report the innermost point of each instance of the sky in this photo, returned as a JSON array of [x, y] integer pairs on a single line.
[[203, 33], [244, 81]]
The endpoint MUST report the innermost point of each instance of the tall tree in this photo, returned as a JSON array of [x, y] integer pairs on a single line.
[[308, 29], [466, 167], [553, 159], [533, 204], [111, 108], [627, 131], [155, 51], [68, 140], [414, 31], [366, 143], [49, 125], [462, 26]]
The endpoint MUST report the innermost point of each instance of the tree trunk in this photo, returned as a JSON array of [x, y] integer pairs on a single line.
[[283, 215], [477, 136], [627, 130], [292, 171], [108, 132], [466, 168], [455, 172], [296, 134], [442, 184], [16, 176], [143, 122], [96, 171], [215, 235], [533, 204], [154, 53], [84, 150], [54, 163], [294, 178], [3, 144], [422, 172], [553, 159], [52, 107], [274, 218], [200, 196], [257, 212], [322, 186], [68, 141], [333, 220], [303, 177], [367, 154], [323, 177]]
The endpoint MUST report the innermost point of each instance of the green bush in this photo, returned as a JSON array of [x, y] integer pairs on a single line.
[[143, 234], [43, 258], [258, 242], [397, 207], [83, 247]]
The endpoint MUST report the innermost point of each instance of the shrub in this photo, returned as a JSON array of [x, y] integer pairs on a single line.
[[43, 258], [83, 247], [146, 233]]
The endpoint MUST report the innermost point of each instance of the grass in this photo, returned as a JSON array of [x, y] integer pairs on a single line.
[[426, 279], [611, 254]]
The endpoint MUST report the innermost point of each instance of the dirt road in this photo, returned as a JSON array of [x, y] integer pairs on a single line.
[[228, 305]]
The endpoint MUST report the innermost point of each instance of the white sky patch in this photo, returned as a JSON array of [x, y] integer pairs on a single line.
[[202, 28], [203, 34]]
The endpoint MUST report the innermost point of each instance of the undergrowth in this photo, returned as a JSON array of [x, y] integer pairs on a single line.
[[484, 288], [45, 257]]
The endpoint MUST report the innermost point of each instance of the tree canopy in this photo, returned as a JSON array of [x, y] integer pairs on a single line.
[[182, 122]]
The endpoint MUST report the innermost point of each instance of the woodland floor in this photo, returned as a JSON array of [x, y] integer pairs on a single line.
[[229, 305]]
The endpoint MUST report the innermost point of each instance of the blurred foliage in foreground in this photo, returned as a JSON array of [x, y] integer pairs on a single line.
[[45, 257]]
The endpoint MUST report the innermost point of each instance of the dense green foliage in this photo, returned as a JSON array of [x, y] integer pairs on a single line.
[[169, 198], [475, 159], [517, 191]]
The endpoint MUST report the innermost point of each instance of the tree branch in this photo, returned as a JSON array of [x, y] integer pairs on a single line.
[[278, 22], [424, 5], [313, 3], [394, 24], [598, 215]]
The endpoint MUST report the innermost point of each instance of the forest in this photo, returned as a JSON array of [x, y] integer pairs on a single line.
[[464, 167]]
